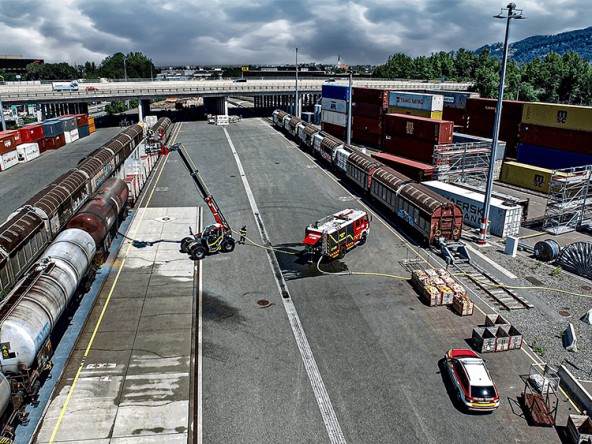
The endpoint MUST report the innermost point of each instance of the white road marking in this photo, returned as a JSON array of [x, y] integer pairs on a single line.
[[314, 376]]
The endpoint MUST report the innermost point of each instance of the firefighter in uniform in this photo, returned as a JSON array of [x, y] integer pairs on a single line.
[[242, 233]]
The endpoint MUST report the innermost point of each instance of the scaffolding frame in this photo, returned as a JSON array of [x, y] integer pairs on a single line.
[[569, 202], [466, 162]]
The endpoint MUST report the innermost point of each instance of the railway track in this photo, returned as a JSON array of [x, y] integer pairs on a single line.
[[488, 287]]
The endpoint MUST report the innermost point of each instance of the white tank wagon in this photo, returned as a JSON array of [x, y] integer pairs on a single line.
[[25, 330]]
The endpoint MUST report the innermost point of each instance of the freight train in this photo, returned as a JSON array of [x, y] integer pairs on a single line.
[[32, 227], [429, 216], [42, 292]]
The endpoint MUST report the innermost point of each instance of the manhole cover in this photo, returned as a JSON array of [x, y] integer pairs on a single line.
[[565, 313], [164, 219], [263, 303], [586, 287]]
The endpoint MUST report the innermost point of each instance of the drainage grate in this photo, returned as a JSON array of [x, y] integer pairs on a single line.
[[263, 303], [565, 313], [586, 287]]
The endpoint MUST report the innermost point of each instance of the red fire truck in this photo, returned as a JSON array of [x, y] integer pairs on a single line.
[[334, 235]]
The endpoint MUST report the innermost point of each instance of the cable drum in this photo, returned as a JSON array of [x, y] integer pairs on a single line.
[[577, 258], [547, 250]]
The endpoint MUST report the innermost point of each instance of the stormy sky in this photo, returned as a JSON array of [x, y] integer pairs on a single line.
[[240, 32]]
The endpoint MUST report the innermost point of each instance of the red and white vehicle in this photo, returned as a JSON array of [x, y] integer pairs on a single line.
[[338, 233], [474, 387]]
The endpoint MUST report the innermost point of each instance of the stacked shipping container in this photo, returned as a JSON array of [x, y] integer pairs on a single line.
[[421, 105], [414, 137], [480, 119], [8, 154], [368, 109], [555, 136], [334, 110]]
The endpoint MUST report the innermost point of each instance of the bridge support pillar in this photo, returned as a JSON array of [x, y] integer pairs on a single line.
[[143, 109], [216, 105]]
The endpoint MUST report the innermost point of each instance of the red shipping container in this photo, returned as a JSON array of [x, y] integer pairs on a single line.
[[367, 110], [31, 133], [419, 128], [557, 138], [455, 115], [8, 141], [372, 126], [371, 96], [511, 109], [52, 143], [419, 150], [365, 138], [415, 170], [335, 130]]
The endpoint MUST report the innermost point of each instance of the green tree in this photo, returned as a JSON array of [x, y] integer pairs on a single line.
[[134, 64]]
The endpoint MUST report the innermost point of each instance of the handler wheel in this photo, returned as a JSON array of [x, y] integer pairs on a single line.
[[198, 253], [228, 246], [185, 244]]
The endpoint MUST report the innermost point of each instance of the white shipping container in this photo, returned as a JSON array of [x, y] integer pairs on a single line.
[[334, 118], [339, 106], [27, 151], [71, 136], [426, 102], [8, 160], [504, 220], [222, 119]]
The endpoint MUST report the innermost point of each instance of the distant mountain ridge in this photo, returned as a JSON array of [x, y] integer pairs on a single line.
[[528, 49]]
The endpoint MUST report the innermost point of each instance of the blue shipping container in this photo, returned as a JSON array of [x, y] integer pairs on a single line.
[[338, 92], [52, 128], [69, 123], [550, 158], [83, 131]]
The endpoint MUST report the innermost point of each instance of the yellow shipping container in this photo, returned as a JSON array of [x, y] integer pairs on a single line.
[[527, 176], [416, 112], [558, 116], [91, 120], [92, 128]]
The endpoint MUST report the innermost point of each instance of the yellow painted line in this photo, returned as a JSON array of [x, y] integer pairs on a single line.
[[96, 329]]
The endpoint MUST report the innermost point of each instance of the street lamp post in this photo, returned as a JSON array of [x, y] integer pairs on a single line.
[[349, 106], [296, 95], [2, 111], [513, 13]]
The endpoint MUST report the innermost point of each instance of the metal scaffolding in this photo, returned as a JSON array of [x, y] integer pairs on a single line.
[[466, 162], [569, 203]]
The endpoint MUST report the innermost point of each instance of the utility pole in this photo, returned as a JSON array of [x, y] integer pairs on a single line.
[[349, 106], [296, 113]]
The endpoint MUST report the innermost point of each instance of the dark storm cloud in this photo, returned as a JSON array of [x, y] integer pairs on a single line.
[[190, 32]]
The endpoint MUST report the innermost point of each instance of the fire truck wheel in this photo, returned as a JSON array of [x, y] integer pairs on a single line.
[[342, 252], [185, 244], [228, 246], [362, 240], [198, 253]]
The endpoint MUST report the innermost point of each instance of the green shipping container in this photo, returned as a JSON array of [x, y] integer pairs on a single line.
[[558, 116]]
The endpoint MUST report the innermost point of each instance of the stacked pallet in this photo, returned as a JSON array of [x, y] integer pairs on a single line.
[[438, 287]]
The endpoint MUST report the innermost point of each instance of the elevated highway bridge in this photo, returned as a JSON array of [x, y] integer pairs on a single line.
[[265, 91]]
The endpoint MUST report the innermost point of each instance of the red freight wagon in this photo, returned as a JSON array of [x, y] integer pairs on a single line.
[[415, 170], [419, 128], [372, 126], [31, 133], [371, 96], [455, 115], [52, 143], [408, 147], [8, 141], [557, 138], [335, 130]]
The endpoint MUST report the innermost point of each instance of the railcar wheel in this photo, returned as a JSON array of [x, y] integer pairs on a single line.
[[228, 246], [185, 244], [198, 253]]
